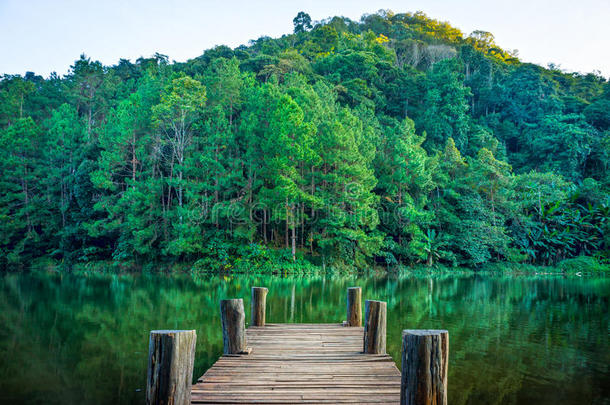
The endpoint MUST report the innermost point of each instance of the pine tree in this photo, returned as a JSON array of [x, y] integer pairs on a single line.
[[405, 181]]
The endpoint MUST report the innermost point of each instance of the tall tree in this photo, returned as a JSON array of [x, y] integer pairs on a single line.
[[302, 22], [21, 148], [445, 106], [181, 104], [405, 180]]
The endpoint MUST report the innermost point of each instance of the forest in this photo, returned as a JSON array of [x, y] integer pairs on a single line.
[[396, 140]]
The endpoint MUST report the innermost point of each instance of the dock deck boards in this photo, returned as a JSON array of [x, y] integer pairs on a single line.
[[304, 364]]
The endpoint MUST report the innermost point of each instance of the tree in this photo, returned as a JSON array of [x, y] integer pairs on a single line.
[[87, 80], [123, 168], [598, 114], [483, 210], [344, 229], [182, 102], [288, 143], [559, 143], [13, 93], [445, 106], [403, 170], [20, 205], [302, 22], [63, 154], [224, 84]]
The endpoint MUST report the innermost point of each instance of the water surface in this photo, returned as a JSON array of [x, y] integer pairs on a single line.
[[69, 339]]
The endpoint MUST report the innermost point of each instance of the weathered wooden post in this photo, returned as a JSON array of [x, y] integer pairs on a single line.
[[233, 321], [354, 306], [171, 356], [374, 327], [258, 303], [425, 358]]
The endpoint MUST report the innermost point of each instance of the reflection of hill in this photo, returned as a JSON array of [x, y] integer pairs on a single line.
[[69, 339]]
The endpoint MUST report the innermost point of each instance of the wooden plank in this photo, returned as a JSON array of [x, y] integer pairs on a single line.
[[301, 364]]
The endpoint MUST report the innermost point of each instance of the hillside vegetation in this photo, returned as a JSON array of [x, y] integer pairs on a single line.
[[397, 139]]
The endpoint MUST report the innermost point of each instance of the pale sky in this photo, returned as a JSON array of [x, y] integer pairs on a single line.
[[46, 36]]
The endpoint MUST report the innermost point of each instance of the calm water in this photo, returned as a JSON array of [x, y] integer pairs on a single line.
[[513, 339]]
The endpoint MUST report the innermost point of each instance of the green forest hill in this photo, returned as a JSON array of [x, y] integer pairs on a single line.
[[393, 140]]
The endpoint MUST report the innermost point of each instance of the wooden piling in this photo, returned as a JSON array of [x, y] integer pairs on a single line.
[[171, 357], [258, 304], [354, 306], [425, 358], [375, 327], [233, 321]]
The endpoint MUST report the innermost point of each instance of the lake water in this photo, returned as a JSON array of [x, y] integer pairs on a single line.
[[69, 339]]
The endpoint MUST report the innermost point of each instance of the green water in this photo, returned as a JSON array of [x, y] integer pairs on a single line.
[[513, 339]]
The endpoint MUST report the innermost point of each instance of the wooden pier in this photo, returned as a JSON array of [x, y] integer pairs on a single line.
[[304, 364], [301, 363]]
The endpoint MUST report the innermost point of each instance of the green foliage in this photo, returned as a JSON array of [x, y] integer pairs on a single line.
[[445, 106], [583, 264], [302, 22], [395, 140]]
